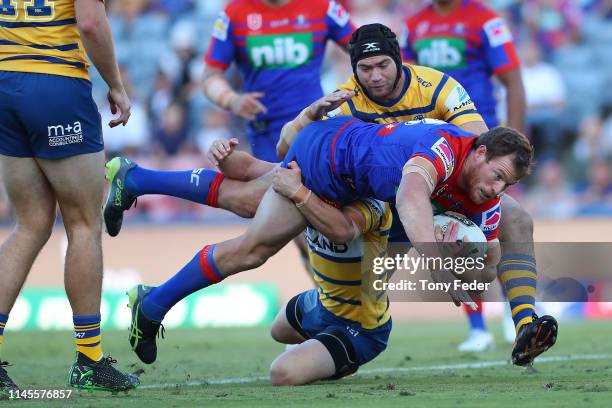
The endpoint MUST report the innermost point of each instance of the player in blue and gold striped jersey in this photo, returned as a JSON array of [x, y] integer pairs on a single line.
[[51, 140], [41, 36], [344, 286], [426, 93], [383, 90], [344, 322]]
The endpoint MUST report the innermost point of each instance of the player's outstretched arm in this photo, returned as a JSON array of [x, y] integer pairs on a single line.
[[220, 92], [338, 225], [310, 114], [98, 42], [237, 165]]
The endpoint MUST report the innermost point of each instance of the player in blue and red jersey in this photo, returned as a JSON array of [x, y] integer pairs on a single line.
[[468, 41], [343, 159], [278, 47]]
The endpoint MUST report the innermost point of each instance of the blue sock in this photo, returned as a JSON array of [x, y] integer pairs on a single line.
[[475, 316], [197, 185], [477, 321], [199, 273]]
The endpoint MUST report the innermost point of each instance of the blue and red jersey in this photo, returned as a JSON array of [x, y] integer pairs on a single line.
[[343, 159], [471, 44], [278, 50]]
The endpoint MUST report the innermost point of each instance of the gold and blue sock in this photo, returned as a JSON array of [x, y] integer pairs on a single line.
[[3, 320], [87, 335], [519, 277]]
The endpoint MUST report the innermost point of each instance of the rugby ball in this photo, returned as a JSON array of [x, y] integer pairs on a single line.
[[476, 247]]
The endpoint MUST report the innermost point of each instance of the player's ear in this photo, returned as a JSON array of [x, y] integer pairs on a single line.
[[481, 152]]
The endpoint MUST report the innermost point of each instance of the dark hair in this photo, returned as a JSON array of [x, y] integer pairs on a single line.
[[371, 40], [502, 141]]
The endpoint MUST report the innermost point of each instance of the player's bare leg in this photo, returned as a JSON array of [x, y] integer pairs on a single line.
[[282, 331], [33, 203], [307, 362], [34, 208], [78, 186], [534, 335], [276, 222], [243, 197]]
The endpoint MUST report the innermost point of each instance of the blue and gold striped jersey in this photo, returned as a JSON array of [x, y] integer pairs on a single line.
[[427, 93], [343, 272], [41, 36]]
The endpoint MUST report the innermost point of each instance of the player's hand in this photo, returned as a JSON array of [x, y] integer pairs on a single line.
[[119, 103], [459, 295], [328, 103], [287, 181], [221, 149], [247, 105]]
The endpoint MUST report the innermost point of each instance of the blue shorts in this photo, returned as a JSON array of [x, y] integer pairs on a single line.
[[263, 137], [47, 116], [352, 343], [311, 149]]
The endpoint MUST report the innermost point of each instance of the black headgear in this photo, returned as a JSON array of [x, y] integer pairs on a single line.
[[375, 39]]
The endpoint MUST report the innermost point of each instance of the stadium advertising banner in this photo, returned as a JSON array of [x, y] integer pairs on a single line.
[[48, 309]]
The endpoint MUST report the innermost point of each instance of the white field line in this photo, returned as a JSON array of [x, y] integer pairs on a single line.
[[372, 371]]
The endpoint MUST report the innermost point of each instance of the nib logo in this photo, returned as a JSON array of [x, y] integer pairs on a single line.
[[441, 52], [280, 51]]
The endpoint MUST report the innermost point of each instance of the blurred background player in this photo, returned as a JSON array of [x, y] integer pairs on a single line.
[[278, 47], [51, 146], [470, 42]]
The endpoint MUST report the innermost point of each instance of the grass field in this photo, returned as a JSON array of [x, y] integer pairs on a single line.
[[227, 367]]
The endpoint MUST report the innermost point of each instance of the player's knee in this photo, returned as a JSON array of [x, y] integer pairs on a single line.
[[282, 373], [36, 226], [83, 230], [39, 233], [516, 224]]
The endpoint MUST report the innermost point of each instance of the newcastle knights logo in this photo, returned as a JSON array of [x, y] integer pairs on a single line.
[[254, 21], [491, 218]]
